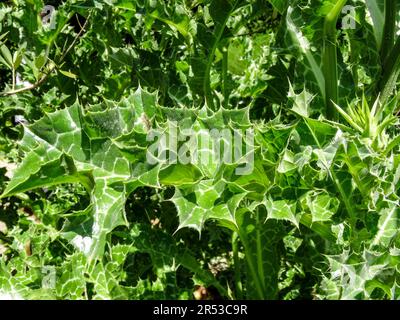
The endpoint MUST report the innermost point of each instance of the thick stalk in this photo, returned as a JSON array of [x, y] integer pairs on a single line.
[[13, 78], [225, 76], [389, 29], [236, 262], [260, 248], [206, 83], [252, 267], [218, 36], [329, 59]]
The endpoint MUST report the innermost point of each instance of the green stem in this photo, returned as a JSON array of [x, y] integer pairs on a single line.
[[252, 268], [236, 262], [13, 78], [345, 199], [260, 266], [225, 77], [391, 71], [206, 82], [329, 59], [389, 29]]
